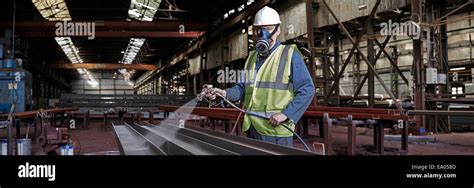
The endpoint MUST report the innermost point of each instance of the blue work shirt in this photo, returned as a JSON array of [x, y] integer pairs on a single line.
[[303, 86]]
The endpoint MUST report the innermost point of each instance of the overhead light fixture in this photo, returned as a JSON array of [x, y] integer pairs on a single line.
[[53, 10], [457, 69], [141, 10], [57, 11], [249, 2], [242, 7], [132, 50]]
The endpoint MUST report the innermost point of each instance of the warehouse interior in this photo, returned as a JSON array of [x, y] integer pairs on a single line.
[[121, 77]]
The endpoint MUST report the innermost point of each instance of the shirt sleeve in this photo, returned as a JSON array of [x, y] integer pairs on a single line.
[[303, 88], [236, 93]]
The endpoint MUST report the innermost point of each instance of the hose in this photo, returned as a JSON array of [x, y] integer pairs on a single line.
[[261, 116]]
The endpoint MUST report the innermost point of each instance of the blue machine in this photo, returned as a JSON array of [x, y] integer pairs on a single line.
[[11, 75]]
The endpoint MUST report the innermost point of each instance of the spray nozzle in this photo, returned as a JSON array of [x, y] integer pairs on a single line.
[[207, 89]]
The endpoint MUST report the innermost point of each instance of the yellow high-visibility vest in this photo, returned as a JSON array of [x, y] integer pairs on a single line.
[[269, 90]]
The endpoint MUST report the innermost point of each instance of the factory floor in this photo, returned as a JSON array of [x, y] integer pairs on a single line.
[[96, 140], [446, 144]]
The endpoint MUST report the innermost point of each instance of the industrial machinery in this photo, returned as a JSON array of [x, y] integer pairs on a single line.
[[16, 86], [51, 138]]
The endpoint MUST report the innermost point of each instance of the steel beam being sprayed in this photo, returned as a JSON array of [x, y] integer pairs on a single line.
[[173, 137]]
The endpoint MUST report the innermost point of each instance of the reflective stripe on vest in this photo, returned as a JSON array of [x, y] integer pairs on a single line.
[[269, 91]]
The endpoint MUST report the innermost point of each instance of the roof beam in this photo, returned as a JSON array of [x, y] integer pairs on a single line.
[[161, 25], [118, 34], [104, 66]]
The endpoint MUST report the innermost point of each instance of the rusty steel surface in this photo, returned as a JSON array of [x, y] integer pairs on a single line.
[[350, 117]]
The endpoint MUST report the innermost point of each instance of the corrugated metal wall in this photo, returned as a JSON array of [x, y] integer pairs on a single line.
[[194, 65], [238, 46], [293, 19], [214, 55], [349, 9]]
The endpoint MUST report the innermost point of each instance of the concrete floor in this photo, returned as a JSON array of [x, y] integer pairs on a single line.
[[96, 140], [99, 141]]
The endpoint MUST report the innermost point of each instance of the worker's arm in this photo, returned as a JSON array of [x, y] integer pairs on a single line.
[[303, 88], [236, 93]]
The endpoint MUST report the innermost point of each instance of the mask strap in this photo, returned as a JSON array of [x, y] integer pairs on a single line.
[[275, 30]]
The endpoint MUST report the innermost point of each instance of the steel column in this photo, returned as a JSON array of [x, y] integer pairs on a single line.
[[337, 46], [327, 134], [351, 133], [416, 13], [310, 33], [372, 60], [394, 74], [326, 70], [405, 136], [378, 135]]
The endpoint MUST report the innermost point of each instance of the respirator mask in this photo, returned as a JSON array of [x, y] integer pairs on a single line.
[[264, 41]]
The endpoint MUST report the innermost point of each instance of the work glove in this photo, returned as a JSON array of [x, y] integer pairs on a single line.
[[213, 94], [277, 119]]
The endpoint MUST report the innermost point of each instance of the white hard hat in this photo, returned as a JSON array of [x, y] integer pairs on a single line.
[[267, 16]]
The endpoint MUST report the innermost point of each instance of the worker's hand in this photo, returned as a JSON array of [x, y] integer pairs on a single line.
[[216, 91], [277, 119]]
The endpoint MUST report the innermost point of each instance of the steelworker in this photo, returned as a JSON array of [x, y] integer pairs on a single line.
[[278, 84]]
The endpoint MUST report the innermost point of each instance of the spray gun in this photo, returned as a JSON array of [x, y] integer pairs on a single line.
[[209, 89]]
